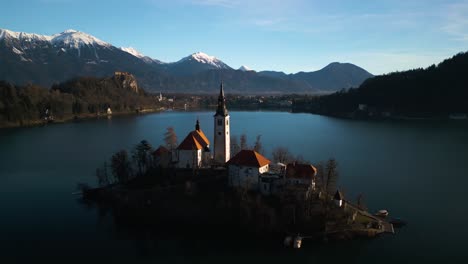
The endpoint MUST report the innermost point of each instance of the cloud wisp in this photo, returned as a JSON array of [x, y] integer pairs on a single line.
[[456, 23]]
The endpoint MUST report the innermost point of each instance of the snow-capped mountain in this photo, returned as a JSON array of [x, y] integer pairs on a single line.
[[44, 60], [26, 45], [244, 68], [6, 34], [144, 58], [133, 51], [195, 63], [204, 58], [67, 39], [76, 39]]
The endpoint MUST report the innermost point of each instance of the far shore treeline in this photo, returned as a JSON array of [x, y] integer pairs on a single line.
[[80, 97], [435, 91]]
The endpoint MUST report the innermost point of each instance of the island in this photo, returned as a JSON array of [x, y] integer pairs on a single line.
[[194, 186]]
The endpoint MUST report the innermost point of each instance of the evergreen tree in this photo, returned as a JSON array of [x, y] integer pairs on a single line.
[[141, 155], [120, 165]]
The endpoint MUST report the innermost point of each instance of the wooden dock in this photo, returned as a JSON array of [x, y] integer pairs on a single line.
[[384, 226]]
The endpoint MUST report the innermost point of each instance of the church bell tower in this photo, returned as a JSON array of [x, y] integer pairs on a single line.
[[222, 152]]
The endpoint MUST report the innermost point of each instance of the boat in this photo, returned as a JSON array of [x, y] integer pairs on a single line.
[[297, 242], [458, 116], [382, 213]]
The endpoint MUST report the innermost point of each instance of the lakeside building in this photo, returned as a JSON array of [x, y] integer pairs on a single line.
[[161, 157], [194, 151], [245, 168], [300, 174]]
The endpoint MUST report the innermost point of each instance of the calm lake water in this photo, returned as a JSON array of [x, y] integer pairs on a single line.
[[416, 170]]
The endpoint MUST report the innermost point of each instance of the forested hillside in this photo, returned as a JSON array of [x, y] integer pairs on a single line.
[[436, 90], [30, 104]]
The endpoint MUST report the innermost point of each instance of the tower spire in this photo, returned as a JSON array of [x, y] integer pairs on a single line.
[[221, 89], [221, 110], [197, 125], [222, 138]]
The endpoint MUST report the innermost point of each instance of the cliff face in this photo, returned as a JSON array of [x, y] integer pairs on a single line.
[[127, 80], [84, 96]]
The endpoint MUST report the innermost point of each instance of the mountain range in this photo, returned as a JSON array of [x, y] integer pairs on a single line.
[[45, 60]]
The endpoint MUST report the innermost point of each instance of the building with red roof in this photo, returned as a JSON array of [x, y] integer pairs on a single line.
[[161, 157], [300, 174], [245, 168], [194, 150]]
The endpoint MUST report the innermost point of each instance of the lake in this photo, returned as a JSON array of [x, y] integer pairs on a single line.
[[416, 170]]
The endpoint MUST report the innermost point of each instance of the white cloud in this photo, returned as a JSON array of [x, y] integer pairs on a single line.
[[456, 23]]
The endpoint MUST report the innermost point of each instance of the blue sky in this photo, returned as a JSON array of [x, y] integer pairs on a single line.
[[287, 35]]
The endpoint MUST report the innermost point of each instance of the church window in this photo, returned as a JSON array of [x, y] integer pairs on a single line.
[[219, 133], [227, 122]]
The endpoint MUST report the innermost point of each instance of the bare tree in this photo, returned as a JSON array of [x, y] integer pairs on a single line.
[[282, 154], [360, 202], [300, 159], [258, 147], [243, 142], [235, 147], [321, 176], [332, 175], [170, 138]]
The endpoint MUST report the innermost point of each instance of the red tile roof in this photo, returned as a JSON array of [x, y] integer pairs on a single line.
[[295, 170], [159, 151], [190, 143], [201, 138], [194, 140], [249, 158]]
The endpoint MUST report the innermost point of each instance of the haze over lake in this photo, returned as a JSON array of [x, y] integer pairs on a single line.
[[416, 170]]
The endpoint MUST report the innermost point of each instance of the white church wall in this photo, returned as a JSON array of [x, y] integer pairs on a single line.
[[188, 158], [245, 176]]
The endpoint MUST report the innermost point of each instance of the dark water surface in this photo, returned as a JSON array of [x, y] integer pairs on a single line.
[[416, 170]]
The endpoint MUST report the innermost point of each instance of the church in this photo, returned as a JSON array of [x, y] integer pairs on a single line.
[[195, 151], [246, 169]]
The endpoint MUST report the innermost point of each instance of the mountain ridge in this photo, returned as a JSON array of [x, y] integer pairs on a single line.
[[436, 91], [45, 60]]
